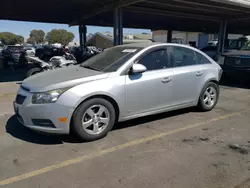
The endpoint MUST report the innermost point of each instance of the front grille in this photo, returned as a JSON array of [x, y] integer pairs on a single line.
[[237, 61], [20, 99], [43, 123]]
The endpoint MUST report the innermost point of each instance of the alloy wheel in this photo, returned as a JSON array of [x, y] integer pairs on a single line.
[[95, 119], [210, 96]]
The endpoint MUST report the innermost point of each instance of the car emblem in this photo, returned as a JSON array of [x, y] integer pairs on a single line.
[[237, 62]]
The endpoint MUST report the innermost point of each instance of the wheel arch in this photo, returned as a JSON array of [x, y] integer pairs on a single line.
[[103, 96], [213, 80]]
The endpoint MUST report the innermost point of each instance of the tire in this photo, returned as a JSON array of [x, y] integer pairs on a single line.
[[33, 71], [87, 114], [203, 103]]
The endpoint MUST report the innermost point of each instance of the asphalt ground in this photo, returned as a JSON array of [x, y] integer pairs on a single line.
[[184, 148]]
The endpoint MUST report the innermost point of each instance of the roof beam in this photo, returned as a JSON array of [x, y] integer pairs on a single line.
[[186, 7], [241, 3], [117, 4], [240, 19], [211, 6], [170, 13]]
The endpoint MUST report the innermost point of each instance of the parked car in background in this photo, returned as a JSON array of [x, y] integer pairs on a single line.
[[236, 62], [211, 51], [47, 52], [13, 55], [121, 83], [31, 51], [233, 45], [212, 43]]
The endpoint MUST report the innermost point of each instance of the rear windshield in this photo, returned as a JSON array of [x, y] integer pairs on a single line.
[[111, 59], [15, 48]]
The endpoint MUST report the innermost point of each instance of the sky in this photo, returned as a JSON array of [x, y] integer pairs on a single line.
[[24, 28]]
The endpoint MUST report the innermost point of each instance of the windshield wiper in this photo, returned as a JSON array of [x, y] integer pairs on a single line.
[[90, 67]]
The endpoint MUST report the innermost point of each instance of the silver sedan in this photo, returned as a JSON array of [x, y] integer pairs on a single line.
[[121, 83]]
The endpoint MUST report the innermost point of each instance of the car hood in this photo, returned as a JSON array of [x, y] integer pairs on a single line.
[[61, 78], [238, 53]]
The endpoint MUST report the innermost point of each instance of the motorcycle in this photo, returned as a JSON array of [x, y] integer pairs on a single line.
[[54, 63], [84, 53]]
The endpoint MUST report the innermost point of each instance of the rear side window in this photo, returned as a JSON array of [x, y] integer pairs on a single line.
[[201, 59], [182, 57]]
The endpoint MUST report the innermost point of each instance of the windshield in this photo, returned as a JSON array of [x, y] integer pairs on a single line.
[[246, 46], [111, 59]]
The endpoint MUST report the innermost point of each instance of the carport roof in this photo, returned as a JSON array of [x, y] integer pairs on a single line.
[[188, 15]]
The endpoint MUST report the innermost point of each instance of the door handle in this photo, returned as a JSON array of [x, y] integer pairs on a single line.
[[199, 73], [166, 80]]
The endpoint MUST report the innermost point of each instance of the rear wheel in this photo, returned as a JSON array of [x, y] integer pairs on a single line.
[[93, 119], [209, 97]]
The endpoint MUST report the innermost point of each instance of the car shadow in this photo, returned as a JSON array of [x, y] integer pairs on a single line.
[[151, 118], [17, 130]]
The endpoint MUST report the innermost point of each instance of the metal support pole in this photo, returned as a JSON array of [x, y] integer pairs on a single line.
[[224, 36], [120, 28], [80, 36], [169, 37], [84, 33], [221, 38], [116, 26]]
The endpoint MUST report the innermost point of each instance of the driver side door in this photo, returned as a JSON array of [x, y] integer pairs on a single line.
[[150, 90]]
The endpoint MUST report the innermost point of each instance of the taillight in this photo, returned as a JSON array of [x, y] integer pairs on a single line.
[[220, 73]]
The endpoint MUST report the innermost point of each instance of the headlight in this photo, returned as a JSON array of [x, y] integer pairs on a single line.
[[221, 60], [47, 97]]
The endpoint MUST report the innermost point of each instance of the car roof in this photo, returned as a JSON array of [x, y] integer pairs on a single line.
[[141, 44], [152, 44]]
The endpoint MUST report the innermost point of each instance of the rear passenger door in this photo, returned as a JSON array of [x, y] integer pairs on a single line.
[[188, 74]]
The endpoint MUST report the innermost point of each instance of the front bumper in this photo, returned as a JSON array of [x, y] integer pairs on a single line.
[[28, 113]]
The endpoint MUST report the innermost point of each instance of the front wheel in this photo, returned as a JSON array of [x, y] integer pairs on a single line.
[[93, 119], [209, 97], [33, 71]]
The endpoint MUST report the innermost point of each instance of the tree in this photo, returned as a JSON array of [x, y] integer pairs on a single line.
[[36, 36], [19, 39], [31, 40], [59, 36], [8, 38]]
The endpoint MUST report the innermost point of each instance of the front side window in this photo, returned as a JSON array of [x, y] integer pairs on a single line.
[[155, 60], [182, 57]]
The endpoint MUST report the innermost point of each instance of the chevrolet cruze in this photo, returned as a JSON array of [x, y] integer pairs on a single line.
[[121, 83]]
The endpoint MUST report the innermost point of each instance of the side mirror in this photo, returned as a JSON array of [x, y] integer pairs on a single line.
[[138, 68]]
